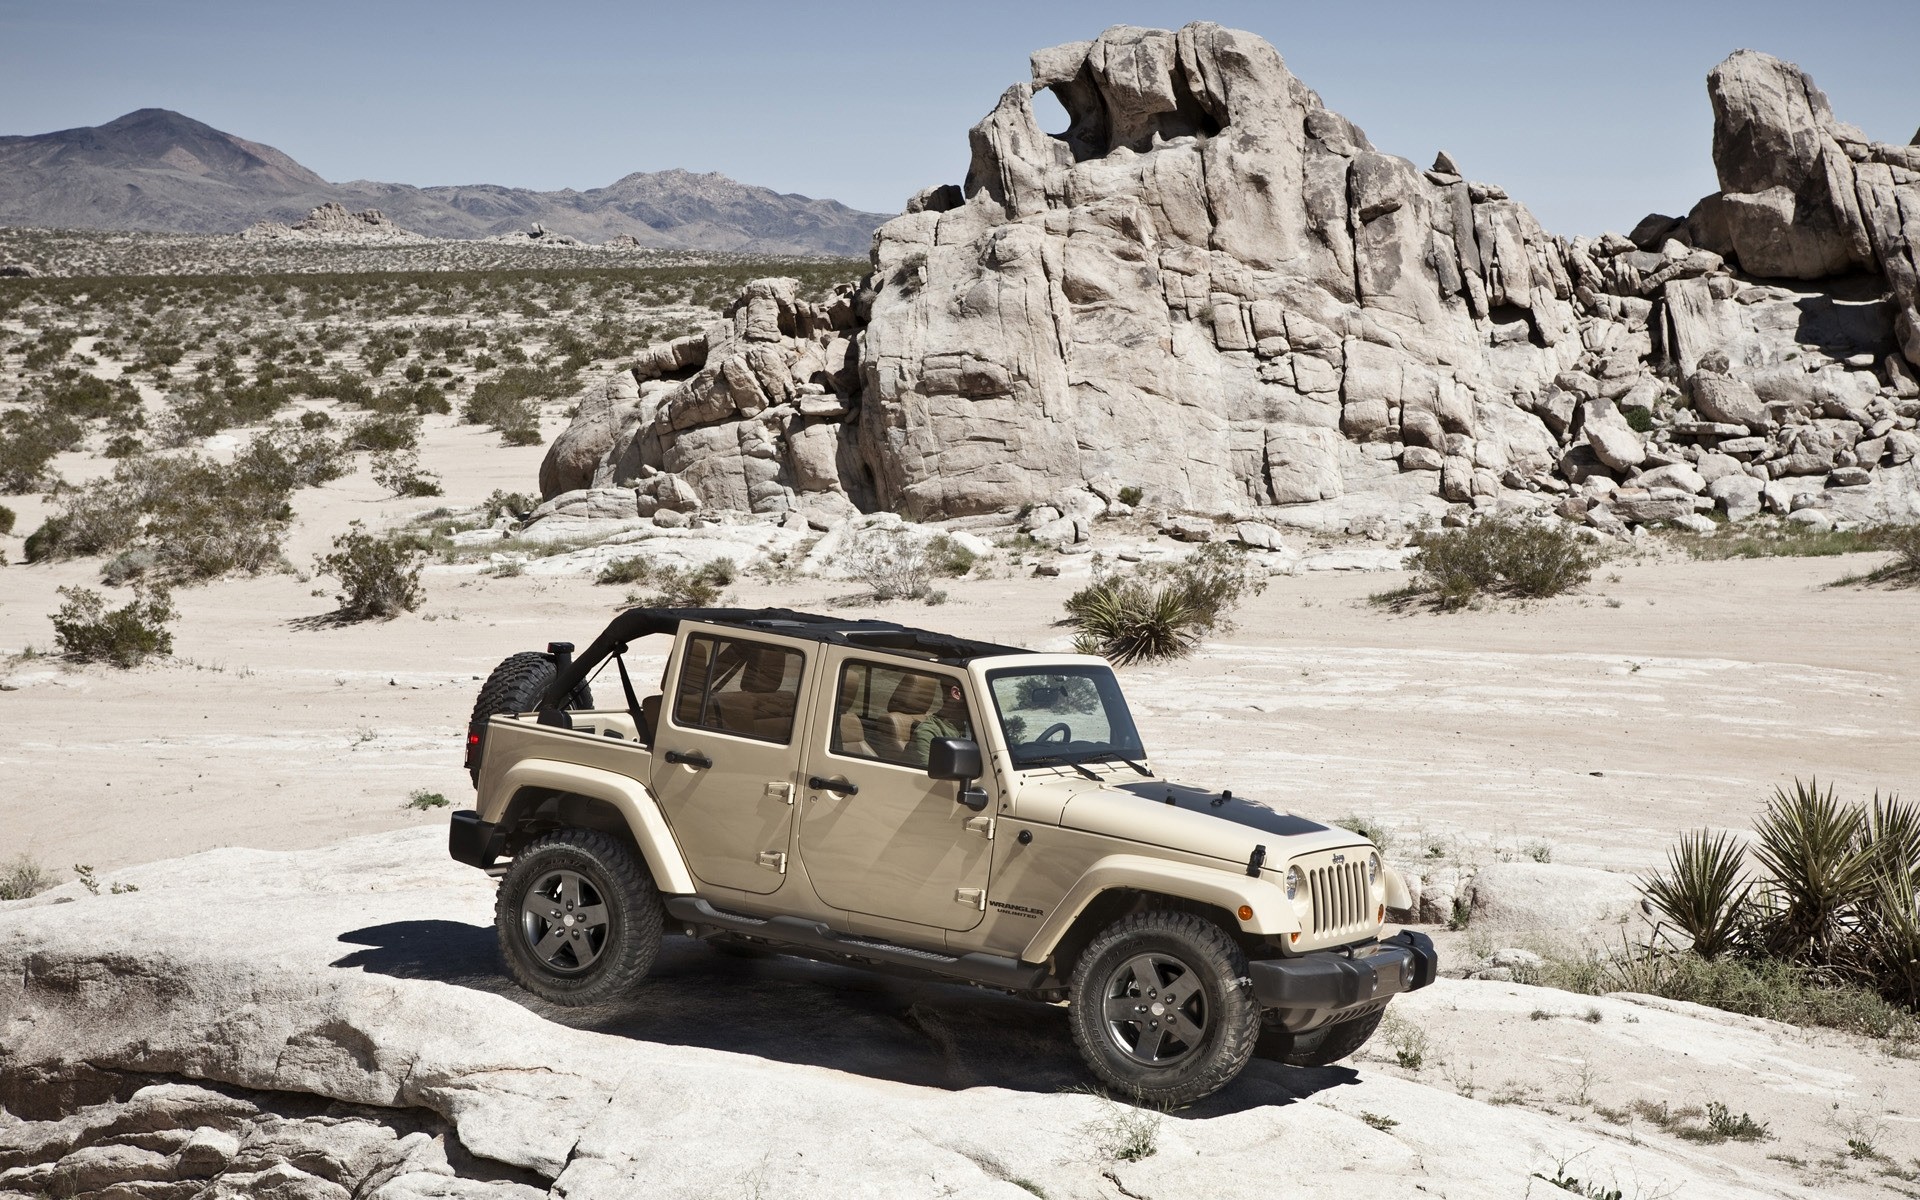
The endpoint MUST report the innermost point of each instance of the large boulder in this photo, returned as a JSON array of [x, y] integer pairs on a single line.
[[576, 454], [1532, 895]]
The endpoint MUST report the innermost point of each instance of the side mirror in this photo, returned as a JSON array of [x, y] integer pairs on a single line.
[[953, 758]]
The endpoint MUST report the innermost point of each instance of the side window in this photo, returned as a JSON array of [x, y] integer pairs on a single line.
[[748, 689], [892, 714]]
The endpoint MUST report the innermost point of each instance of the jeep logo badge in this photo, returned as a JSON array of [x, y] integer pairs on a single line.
[[1338, 859]]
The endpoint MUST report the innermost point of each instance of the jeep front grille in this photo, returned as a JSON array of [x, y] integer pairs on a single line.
[[1342, 898]]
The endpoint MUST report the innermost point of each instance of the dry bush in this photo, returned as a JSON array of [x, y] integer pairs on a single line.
[[379, 576], [890, 562], [86, 631], [400, 474], [21, 877], [1514, 557], [704, 586]]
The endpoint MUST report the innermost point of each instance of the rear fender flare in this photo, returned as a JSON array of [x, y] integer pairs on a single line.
[[1273, 913], [628, 796]]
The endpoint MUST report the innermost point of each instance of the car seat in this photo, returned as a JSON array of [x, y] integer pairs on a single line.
[[914, 699]]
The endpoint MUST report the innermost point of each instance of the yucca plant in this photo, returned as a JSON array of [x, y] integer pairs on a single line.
[[1128, 622], [1702, 891], [1810, 844], [1887, 945]]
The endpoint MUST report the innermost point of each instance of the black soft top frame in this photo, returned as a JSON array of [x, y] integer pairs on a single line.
[[636, 623]]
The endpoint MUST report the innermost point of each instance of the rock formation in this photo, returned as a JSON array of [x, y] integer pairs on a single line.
[[334, 1023], [1214, 289], [331, 222]]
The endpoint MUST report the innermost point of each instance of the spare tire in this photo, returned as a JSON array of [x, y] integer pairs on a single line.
[[516, 686]]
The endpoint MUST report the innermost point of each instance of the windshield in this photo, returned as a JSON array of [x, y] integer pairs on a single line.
[[1054, 715]]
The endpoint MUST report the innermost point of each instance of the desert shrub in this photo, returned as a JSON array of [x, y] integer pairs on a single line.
[[891, 562], [703, 586], [123, 445], [1515, 557], [1836, 892], [86, 631], [384, 431], [1904, 570], [379, 576], [625, 571], [7, 518], [517, 505], [418, 398], [1161, 610], [284, 456], [29, 438], [510, 402], [85, 397], [1753, 540], [21, 878], [400, 474], [1130, 496], [948, 557], [200, 519]]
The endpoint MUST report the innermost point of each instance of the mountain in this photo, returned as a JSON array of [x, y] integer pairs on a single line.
[[158, 170]]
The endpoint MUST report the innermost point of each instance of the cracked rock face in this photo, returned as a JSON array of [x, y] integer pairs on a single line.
[[1213, 288], [333, 1023]]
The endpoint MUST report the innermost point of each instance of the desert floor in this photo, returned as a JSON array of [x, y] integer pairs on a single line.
[[1669, 694]]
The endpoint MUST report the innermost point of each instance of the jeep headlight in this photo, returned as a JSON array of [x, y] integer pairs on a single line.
[[1296, 883], [1373, 869]]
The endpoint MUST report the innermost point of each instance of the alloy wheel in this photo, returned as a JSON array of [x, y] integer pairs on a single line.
[[1155, 1009], [565, 922]]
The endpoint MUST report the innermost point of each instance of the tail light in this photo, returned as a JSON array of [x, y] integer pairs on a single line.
[[473, 749]]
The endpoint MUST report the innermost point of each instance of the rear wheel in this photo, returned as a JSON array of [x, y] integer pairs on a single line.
[[578, 917], [1162, 1009]]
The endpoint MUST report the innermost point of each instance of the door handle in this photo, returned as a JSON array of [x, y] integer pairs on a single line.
[[833, 785], [690, 758]]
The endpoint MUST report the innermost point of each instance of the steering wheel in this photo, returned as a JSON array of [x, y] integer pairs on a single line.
[[1059, 727]]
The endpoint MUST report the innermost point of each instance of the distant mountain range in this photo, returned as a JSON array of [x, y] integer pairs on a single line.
[[158, 170]]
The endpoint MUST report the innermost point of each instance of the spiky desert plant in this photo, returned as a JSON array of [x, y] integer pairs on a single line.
[[1886, 941], [1702, 892], [1810, 844], [1127, 621]]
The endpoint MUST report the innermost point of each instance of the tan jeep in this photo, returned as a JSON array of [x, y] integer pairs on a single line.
[[900, 799]]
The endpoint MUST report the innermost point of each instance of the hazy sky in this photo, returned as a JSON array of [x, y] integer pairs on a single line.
[[1593, 114]]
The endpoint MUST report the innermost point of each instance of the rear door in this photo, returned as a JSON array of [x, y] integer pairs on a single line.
[[727, 753], [901, 846]]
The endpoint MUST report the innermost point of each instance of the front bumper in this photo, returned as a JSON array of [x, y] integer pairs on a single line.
[[471, 840], [1329, 982]]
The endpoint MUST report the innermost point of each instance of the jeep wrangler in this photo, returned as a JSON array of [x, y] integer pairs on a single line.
[[897, 799]]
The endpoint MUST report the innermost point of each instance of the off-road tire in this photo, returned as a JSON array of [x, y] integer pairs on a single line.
[[634, 917], [516, 686], [1326, 1046], [1231, 1014]]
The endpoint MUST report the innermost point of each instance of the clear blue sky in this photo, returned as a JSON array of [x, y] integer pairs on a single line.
[[1593, 114]]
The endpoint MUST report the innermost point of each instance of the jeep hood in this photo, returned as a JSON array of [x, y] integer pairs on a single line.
[[1194, 820]]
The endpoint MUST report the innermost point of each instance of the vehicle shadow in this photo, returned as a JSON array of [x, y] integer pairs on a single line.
[[930, 1033]]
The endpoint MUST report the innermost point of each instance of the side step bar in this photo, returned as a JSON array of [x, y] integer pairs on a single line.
[[992, 970]]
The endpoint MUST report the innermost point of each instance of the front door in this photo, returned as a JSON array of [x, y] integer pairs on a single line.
[[901, 846], [727, 753]]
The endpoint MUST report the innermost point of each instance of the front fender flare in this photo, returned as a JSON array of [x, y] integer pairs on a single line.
[[1272, 912], [628, 796]]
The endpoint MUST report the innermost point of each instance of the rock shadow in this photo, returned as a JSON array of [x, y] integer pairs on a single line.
[[925, 1032]]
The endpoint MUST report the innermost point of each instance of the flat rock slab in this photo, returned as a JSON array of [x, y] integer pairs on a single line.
[[365, 973]]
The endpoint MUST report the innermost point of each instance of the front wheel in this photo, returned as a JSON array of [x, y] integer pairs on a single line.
[[578, 917], [1162, 1009]]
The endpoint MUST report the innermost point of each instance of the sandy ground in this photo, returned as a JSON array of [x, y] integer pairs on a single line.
[[1669, 695]]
